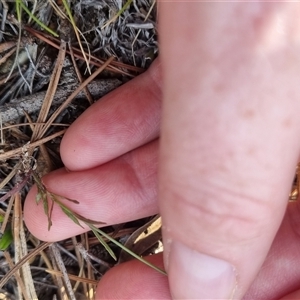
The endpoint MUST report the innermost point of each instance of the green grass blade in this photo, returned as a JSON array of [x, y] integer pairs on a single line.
[[126, 5], [70, 215], [99, 231], [100, 239], [18, 10], [67, 8], [22, 5]]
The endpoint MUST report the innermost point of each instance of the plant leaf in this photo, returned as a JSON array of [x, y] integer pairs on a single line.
[[79, 217], [31, 15], [101, 240], [87, 221], [6, 240], [70, 214], [99, 231], [50, 214], [71, 200], [46, 207]]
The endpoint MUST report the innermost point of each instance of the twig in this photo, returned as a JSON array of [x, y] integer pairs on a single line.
[[63, 270], [32, 103]]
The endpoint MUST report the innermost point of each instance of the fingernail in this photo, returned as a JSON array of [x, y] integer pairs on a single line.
[[193, 275]]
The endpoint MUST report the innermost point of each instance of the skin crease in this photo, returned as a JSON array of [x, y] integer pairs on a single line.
[[232, 121]]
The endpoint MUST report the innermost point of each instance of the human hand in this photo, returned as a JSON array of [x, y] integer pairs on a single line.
[[227, 155]]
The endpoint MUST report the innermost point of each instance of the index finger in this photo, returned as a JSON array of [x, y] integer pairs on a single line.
[[122, 121]]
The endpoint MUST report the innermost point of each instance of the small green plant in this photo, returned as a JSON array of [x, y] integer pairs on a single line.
[[27, 166], [45, 196]]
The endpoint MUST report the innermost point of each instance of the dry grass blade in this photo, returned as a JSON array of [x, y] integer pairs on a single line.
[[142, 239], [81, 265], [76, 31], [58, 280], [18, 151], [43, 255], [73, 277], [61, 265], [20, 282], [71, 97], [96, 61], [43, 149], [26, 258], [4, 15], [86, 90], [6, 56], [8, 178], [21, 248], [88, 287], [7, 214], [31, 124], [50, 91], [6, 46], [17, 187], [139, 31]]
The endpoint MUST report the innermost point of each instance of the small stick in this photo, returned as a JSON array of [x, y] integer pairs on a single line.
[[15, 108], [63, 270]]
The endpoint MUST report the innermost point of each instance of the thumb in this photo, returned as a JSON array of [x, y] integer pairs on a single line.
[[228, 147]]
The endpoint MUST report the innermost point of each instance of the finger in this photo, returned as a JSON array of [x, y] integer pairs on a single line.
[[134, 280], [123, 120], [228, 146], [280, 273], [116, 192]]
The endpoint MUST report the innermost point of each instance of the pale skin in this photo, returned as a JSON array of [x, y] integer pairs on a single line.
[[224, 100]]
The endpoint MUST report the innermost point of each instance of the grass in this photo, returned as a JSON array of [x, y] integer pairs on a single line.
[[110, 43]]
